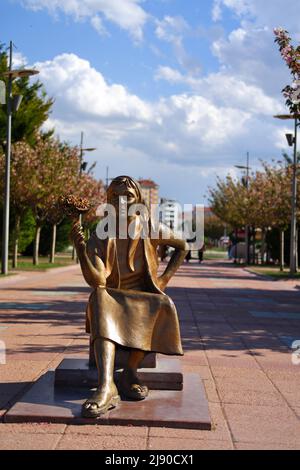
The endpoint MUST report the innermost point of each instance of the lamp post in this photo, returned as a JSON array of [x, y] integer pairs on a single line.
[[81, 169], [247, 168], [82, 150], [292, 141], [12, 105]]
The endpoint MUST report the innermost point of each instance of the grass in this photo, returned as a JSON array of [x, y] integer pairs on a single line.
[[216, 253], [25, 263], [274, 272]]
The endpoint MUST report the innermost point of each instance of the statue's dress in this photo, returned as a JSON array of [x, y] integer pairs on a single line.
[[131, 310]]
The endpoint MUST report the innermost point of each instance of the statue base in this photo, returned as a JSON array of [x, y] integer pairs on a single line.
[[57, 397], [166, 375]]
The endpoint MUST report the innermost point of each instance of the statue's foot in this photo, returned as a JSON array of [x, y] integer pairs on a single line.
[[131, 388], [102, 401]]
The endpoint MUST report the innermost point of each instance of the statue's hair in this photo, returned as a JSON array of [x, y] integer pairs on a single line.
[[129, 183]]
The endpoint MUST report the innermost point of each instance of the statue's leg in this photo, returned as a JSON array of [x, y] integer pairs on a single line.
[[130, 384], [106, 395]]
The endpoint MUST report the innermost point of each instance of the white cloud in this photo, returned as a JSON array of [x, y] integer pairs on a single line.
[[177, 129], [196, 135], [19, 60], [77, 87], [225, 90], [172, 30], [217, 10], [127, 14], [97, 23], [170, 75], [249, 52], [262, 12]]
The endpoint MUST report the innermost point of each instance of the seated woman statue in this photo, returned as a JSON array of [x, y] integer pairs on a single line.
[[127, 307]]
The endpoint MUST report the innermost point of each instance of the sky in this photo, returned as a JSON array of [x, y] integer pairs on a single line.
[[173, 90]]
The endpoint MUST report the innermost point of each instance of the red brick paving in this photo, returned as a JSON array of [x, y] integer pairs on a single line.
[[251, 384]]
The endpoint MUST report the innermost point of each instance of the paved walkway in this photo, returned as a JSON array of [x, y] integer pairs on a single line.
[[237, 330]]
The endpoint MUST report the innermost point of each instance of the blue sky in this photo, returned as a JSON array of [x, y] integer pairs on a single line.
[[174, 90]]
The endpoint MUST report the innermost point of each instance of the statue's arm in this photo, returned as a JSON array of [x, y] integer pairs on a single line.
[[167, 238], [92, 266]]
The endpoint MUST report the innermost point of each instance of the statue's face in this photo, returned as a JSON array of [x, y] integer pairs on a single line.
[[122, 197]]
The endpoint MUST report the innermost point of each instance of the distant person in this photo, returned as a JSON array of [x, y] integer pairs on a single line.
[[201, 253], [188, 256], [162, 252], [229, 249]]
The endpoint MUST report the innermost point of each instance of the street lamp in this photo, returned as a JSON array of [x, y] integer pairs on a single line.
[[13, 104], [82, 168], [107, 180], [83, 165], [292, 140], [247, 168]]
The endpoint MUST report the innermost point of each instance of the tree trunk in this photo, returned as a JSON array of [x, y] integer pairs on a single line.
[[263, 246], [297, 249], [281, 250], [253, 245], [36, 245], [16, 241], [53, 243]]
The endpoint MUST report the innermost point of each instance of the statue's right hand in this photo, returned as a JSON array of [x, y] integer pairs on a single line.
[[78, 236]]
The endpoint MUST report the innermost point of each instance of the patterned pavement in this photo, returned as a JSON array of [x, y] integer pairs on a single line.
[[237, 332]]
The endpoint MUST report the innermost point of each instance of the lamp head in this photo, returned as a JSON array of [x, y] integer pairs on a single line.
[[290, 139], [16, 102]]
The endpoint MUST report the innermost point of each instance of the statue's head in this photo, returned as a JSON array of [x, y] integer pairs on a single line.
[[124, 190]]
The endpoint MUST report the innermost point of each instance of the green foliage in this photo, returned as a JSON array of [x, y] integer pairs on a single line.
[[34, 110], [213, 228], [62, 240], [26, 232]]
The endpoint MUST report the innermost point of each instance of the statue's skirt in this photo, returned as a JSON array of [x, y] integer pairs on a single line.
[[134, 319]]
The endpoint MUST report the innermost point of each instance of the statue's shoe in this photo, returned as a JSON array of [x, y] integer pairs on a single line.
[[134, 392], [91, 408]]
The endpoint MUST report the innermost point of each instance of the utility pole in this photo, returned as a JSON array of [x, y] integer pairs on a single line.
[[5, 236], [12, 105], [292, 141], [247, 168], [107, 178], [247, 238], [293, 248]]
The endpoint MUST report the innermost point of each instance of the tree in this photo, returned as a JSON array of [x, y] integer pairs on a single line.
[[34, 110], [22, 163], [229, 202], [214, 228], [264, 204], [94, 191], [54, 172], [291, 56]]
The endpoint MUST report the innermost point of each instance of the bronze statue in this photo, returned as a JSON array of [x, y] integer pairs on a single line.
[[128, 306]]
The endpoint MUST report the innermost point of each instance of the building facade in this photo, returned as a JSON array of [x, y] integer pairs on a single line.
[[150, 191], [170, 213]]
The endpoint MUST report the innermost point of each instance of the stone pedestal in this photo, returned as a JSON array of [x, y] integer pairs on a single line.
[[45, 403], [174, 401], [166, 375]]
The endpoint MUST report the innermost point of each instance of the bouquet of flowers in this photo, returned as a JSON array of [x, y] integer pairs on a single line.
[[74, 206]]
